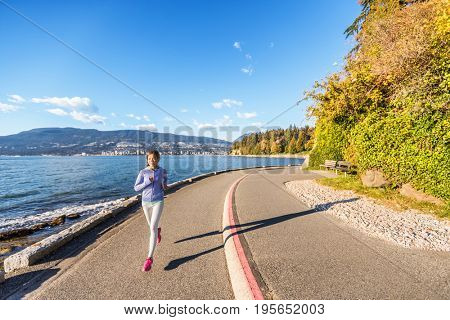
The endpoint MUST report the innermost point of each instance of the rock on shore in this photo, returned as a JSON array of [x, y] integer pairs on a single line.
[[15, 233], [22, 232], [410, 228]]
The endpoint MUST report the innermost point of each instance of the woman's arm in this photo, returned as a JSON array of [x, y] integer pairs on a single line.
[[164, 179], [141, 183]]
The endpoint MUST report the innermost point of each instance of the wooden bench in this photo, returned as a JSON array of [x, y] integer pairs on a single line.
[[344, 166], [329, 164]]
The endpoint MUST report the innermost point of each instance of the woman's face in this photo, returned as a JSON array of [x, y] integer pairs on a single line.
[[152, 160]]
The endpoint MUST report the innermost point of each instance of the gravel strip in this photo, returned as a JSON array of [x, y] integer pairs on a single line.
[[410, 228]]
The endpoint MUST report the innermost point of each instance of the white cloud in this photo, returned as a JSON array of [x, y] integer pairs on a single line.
[[256, 124], [146, 127], [222, 122], [130, 115], [169, 119], [87, 118], [58, 112], [226, 103], [335, 63], [79, 116], [113, 114], [246, 115], [8, 107], [184, 110], [74, 102], [237, 45], [71, 107], [225, 121], [205, 125], [139, 118], [15, 98], [248, 70], [248, 56], [122, 125]]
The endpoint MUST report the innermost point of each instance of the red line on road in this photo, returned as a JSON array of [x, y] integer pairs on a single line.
[[256, 291]]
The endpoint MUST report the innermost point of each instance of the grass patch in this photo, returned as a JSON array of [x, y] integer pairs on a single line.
[[386, 196]]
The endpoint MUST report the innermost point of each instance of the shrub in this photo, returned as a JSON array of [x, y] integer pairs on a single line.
[[331, 141], [407, 148], [389, 107]]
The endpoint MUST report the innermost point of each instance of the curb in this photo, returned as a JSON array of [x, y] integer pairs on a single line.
[[243, 282]]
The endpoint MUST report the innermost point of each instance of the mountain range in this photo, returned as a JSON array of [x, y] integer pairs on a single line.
[[71, 141]]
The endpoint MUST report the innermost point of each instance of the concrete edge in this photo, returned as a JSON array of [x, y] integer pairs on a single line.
[[243, 282], [38, 250]]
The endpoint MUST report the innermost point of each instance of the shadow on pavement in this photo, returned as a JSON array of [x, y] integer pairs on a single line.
[[18, 286], [249, 226]]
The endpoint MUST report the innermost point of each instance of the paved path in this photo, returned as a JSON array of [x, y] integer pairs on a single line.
[[297, 253], [184, 268], [302, 254]]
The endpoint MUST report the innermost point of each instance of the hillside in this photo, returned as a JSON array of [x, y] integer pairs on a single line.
[[70, 141], [388, 109], [291, 140]]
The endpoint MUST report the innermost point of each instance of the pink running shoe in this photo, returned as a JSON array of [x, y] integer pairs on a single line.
[[147, 265], [159, 235]]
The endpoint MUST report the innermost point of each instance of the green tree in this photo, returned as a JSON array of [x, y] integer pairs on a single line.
[[292, 147], [388, 108], [274, 148]]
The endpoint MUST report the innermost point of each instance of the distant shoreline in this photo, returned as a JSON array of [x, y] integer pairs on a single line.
[[281, 155], [197, 155]]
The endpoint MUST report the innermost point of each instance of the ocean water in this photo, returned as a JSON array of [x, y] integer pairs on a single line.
[[36, 189]]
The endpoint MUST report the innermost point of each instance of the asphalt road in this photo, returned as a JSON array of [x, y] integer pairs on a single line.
[[297, 253], [189, 262], [305, 254]]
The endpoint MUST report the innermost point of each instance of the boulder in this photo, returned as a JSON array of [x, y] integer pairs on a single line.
[[73, 216], [58, 220], [40, 226], [305, 163], [4, 250], [15, 233], [374, 179], [408, 190]]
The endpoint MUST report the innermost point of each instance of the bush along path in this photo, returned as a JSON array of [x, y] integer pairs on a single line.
[[388, 108]]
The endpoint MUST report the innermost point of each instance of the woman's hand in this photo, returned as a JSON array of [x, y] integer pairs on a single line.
[[165, 187]]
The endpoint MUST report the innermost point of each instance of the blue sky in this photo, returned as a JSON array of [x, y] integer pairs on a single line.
[[207, 64]]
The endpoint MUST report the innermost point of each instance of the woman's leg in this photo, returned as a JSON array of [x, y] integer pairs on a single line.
[[154, 223], [147, 211]]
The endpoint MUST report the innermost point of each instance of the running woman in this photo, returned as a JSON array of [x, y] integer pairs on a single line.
[[152, 180]]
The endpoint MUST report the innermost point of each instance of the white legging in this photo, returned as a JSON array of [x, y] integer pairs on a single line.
[[153, 214]]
